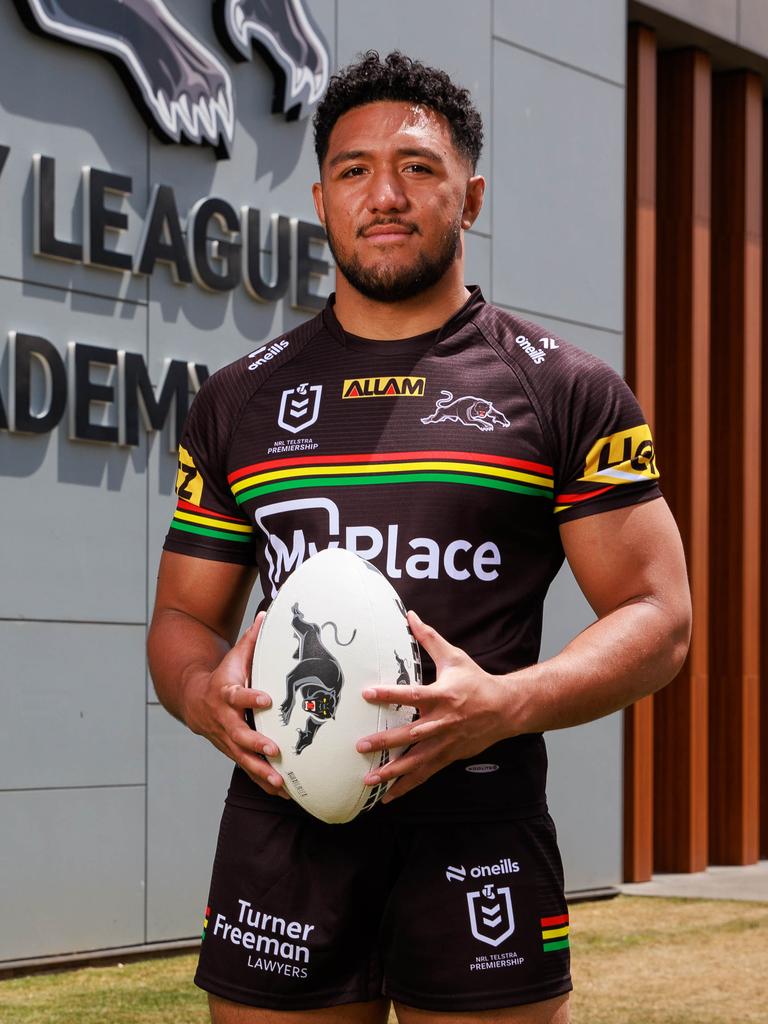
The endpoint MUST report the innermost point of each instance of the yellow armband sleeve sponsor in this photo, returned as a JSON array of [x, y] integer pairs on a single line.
[[189, 482], [626, 457]]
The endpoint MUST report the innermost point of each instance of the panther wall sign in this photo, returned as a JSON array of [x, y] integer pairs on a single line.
[[180, 86]]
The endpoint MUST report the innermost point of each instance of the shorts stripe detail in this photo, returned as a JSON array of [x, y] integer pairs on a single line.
[[550, 946], [554, 933], [551, 922]]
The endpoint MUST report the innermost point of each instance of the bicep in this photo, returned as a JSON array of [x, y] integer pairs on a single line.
[[214, 593], [629, 554]]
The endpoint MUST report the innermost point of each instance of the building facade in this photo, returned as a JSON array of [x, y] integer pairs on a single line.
[[133, 264]]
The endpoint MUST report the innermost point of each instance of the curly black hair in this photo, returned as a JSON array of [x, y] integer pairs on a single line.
[[400, 78]]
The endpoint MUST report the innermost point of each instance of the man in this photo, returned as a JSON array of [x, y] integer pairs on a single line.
[[438, 437]]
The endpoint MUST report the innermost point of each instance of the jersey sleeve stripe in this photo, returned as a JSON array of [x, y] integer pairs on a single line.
[[204, 531], [187, 506], [226, 528], [573, 498], [525, 465]]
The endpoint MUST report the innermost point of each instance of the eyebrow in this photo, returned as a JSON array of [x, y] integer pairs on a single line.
[[356, 154]]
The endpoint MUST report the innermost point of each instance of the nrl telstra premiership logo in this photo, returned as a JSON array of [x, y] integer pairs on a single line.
[[180, 86]]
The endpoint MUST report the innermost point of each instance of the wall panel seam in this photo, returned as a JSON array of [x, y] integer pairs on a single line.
[[560, 63]]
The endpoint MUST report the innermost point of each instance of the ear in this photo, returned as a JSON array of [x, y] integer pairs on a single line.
[[317, 198], [473, 201]]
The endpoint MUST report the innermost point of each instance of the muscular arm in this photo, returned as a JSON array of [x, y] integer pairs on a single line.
[[199, 672], [630, 565]]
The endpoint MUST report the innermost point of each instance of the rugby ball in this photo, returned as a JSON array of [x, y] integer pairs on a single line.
[[335, 627]]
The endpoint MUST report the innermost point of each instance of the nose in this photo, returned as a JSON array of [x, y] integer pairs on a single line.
[[386, 193]]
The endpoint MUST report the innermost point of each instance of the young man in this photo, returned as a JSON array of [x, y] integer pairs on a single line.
[[472, 459]]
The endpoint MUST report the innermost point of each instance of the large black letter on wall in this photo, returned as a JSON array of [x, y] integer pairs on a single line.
[[305, 265], [225, 251], [45, 241], [255, 284], [23, 349], [153, 247], [139, 396], [97, 219], [85, 391]]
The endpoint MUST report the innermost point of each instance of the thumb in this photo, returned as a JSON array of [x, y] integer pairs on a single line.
[[241, 655], [436, 646]]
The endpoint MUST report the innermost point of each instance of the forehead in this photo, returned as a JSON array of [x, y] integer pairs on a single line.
[[388, 125]]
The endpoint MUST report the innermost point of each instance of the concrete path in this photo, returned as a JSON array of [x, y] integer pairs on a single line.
[[716, 883]]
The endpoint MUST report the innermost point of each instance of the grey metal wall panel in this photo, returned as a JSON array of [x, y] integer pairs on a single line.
[[62, 120], [717, 16], [753, 26], [436, 32], [585, 800], [589, 35], [72, 866], [558, 163], [585, 777], [187, 783], [477, 265], [76, 686], [75, 510]]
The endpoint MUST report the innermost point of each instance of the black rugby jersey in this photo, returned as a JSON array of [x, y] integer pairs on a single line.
[[448, 460]]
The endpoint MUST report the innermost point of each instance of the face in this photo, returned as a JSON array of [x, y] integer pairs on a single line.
[[394, 197]]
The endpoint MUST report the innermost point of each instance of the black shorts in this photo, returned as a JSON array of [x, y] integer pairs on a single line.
[[441, 916]]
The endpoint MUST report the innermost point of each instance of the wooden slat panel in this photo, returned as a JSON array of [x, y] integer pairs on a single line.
[[640, 372], [682, 433], [764, 536], [735, 451]]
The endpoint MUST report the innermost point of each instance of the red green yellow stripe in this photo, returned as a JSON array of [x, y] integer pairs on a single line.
[[497, 472], [564, 501], [554, 932], [205, 522]]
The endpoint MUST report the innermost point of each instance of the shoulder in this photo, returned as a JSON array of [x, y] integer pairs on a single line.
[[537, 352], [232, 385]]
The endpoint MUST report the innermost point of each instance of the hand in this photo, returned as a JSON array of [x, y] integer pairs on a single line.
[[215, 706], [462, 713]]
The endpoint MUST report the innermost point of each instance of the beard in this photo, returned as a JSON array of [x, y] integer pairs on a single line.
[[394, 282]]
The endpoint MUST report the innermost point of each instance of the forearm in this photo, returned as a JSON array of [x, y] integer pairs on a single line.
[[629, 653], [183, 652]]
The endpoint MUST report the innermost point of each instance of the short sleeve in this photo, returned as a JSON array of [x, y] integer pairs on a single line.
[[606, 456], [207, 522]]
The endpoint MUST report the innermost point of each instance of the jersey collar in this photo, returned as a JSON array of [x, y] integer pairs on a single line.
[[418, 343]]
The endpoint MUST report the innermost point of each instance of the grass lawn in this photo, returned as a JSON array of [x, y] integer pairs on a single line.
[[636, 960]]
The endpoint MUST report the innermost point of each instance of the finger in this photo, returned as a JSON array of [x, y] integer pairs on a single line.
[[262, 773], [243, 697], [399, 737], [436, 646], [411, 761], [250, 741], [412, 696]]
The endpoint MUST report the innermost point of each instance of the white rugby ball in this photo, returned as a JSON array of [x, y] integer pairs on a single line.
[[336, 627]]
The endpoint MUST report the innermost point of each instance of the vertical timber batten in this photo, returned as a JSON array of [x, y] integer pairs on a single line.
[[640, 372], [735, 462], [682, 431]]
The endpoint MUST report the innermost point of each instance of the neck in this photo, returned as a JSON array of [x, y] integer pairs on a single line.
[[391, 321]]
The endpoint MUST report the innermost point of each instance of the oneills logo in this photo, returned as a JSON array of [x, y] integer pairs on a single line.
[[384, 387], [622, 458], [189, 483]]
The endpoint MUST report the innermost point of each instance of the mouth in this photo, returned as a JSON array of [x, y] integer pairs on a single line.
[[388, 232]]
